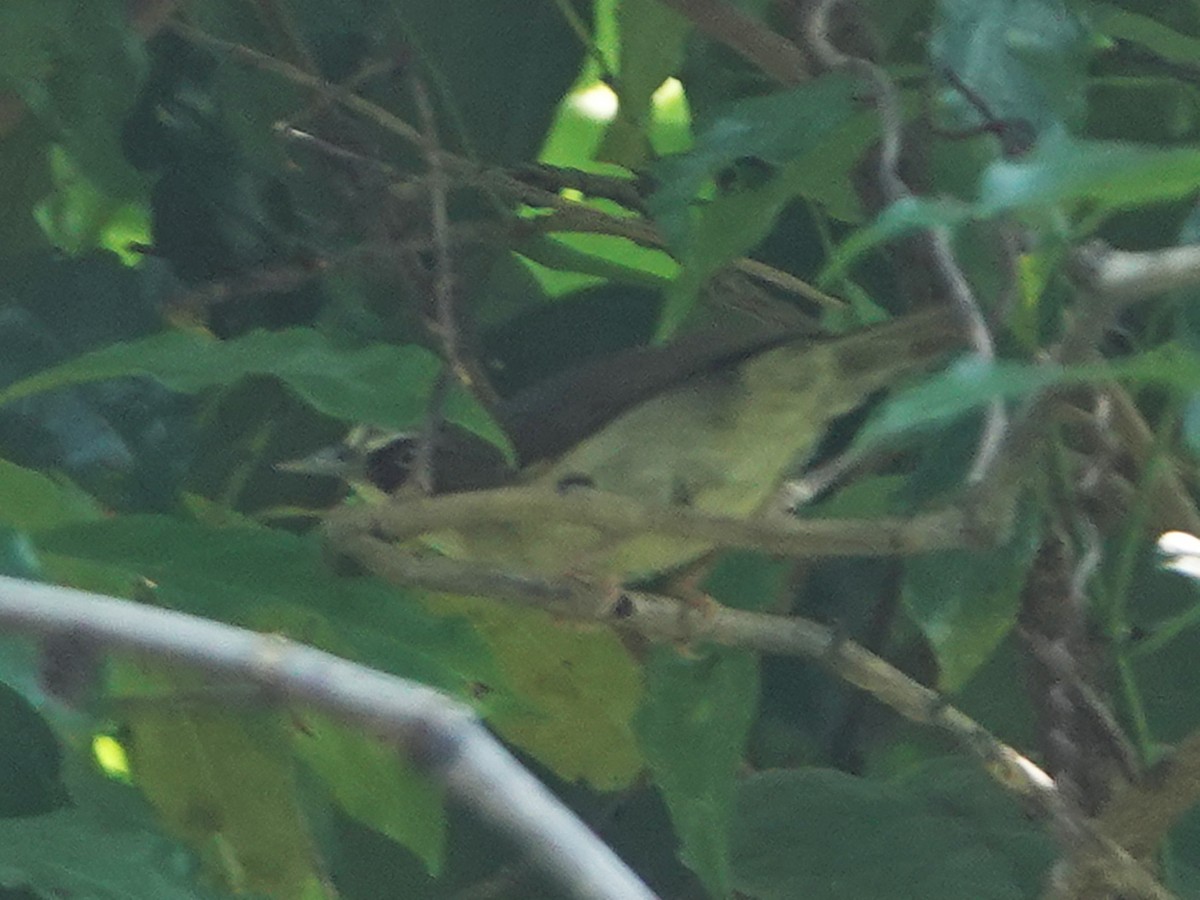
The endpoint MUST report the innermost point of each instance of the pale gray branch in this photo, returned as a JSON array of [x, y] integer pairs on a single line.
[[1121, 276], [440, 735]]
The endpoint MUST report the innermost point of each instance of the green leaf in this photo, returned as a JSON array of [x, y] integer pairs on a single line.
[[652, 38], [219, 779], [595, 257], [943, 834], [242, 575], [379, 385], [966, 601], [778, 166], [1027, 59], [32, 501], [965, 386], [971, 383], [18, 558], [78, 217], [501, 68], [728, 227], [372, 783], [1061, 169], [574, 692], [1145, 31], [1115, 174], [775, 129], [692, 727], [76, 853], [905, 216], [52, 53]]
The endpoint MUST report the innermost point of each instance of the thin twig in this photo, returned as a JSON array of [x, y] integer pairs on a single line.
[[573, 216], [747, 36], [443, 272], [938, 238], [268, 63]]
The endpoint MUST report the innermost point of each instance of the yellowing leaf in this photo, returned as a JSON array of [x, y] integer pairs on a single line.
[[580, 689]]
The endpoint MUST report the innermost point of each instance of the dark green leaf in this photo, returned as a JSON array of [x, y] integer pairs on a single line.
[[24, 181], [52, 53], [692, 728], [72, 853], [825, 835], [375, 786], [775, 129], [903, 217], [244, 574], [1026, 59], [970, 384], [962, 388], [380, 385], [499, 71], [966, 601]]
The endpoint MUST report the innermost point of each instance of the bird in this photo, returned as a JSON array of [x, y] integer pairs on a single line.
[[713, 422]]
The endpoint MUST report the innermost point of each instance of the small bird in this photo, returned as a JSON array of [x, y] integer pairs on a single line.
[[713, 422]]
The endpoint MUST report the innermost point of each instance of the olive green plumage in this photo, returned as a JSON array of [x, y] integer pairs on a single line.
[[712, 424]]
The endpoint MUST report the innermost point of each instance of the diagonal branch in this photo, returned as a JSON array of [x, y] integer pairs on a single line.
[[1100, 859], [668, 620], [746, 36], [407, 517]]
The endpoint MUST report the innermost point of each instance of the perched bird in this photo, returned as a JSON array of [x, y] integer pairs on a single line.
[[712, 422]]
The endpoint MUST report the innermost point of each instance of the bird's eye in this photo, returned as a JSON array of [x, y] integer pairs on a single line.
[[574, 481]]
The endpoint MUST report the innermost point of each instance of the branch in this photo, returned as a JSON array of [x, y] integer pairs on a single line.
[[669, 620], [937, 239], [440, 735], [407, 517], [1121, 277], [1140, 816], [747, 37], [665, 619]]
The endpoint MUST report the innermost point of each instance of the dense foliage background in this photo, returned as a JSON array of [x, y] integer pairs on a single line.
[[231, 229]]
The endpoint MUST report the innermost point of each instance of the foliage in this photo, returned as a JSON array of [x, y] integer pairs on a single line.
[[222, 239]]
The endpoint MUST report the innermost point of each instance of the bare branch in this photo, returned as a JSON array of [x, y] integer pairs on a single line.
[[405, 518], [938, 238], [747, 36], [1121, 276], [1140, 816], [667, 619]]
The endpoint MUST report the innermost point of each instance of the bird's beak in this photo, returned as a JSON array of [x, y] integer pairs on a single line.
[[328, 461]]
